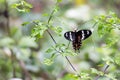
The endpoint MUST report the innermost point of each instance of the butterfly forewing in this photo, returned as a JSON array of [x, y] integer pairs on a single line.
[[77, 37], [70, 35], [84, 34]]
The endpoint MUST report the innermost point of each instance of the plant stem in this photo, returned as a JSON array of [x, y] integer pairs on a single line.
[[6, 14], [56, 42]]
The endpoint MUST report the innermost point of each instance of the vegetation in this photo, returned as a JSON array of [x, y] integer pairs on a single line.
[[45, 54]]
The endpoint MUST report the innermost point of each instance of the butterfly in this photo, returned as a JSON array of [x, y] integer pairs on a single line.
[[76, 37]]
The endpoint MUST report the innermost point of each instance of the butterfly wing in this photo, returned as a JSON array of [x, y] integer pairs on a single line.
[[84, 34], [70, 35]]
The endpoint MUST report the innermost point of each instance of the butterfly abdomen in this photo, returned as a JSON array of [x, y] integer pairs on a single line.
[[76, 45]]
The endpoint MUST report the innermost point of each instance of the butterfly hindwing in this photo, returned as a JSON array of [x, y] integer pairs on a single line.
[[70, 35], [84, 34]]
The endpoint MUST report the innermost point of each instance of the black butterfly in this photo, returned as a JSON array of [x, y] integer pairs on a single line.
[[76, 37]]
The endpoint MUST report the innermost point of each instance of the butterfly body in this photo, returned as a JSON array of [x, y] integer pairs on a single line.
[[76, 37]]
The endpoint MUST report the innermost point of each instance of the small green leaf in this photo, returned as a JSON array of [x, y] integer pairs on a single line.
[[45, 14], [57, 30], [59, 1], [25, 23], [85, 76], [70, 77], [49, 50], [27, 42], [111, 41], [6, 42], [22, 6], [93, 70], [39, 30], [117, 59], [48, 61]]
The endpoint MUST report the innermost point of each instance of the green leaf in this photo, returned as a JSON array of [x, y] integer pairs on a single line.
[[117, 59], [39, 29], [49, 50], [22, 6], [108, 60], [27, 42], [111, 76], [111, 41], [70, 77], [85, 76], [59, 1], [45, 14], [106, 23], [95, 71], [48, 61], [68, 52], [25, 23], [6, 42]]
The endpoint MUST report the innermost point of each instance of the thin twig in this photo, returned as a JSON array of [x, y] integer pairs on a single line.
[[104, 71], [94, 25], [25, 72], [56, 42], [51, 36], [71, 64], [6, 14]]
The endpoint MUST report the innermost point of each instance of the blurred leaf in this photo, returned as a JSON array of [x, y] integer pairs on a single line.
[[25, 23], [85, 76], [22, 6], [108, 60], [106, 23], [49, 50], [95, 71], [1, 1], [48, 61], [111, 41], [117, 59], [57, 30], [111, 76], [68, 52], [45, 14], [39, 29], [59, 1], [6, 42], [70, 77], [27, 42], [56, 9], [22, 54]]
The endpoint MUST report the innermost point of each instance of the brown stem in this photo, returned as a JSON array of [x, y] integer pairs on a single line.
[[6, 14], [24, 70], [56, 43], [12, 62]]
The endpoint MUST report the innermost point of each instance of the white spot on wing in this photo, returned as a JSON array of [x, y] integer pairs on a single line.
[[70, 36], [66, 34], [83, 35], [87, 32]]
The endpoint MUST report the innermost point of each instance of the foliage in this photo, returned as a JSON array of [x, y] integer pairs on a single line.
[[22, 46], [22, 6]]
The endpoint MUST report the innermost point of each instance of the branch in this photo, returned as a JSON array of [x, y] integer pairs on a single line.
[[56, 42], [25, 72], [6, 14]]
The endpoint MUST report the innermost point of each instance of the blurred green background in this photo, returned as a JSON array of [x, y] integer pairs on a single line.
[[23, 58]]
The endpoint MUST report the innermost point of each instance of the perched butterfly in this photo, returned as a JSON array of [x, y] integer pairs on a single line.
[[76, 37]]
